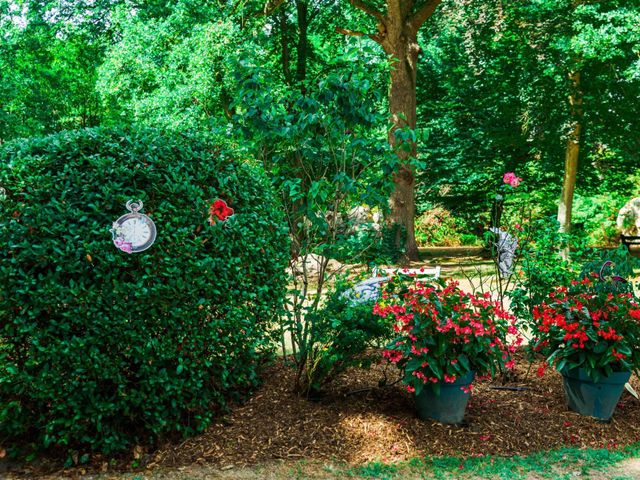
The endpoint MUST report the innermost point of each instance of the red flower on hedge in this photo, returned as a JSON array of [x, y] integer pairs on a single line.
[[219, 211]]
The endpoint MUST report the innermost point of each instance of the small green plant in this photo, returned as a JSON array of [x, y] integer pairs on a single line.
[[345, 332]]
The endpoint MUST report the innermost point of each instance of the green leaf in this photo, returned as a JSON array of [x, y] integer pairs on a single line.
[[464, 362]]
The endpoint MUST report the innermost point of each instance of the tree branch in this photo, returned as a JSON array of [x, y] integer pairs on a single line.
[[423, 13], [368, 10], [352, 33], [270, 7]]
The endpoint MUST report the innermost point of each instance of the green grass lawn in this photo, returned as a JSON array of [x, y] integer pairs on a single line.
[[560, 464], [565, 464]]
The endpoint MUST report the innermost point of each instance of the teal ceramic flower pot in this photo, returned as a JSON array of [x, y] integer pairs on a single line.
[[595, 399], [449, 405]]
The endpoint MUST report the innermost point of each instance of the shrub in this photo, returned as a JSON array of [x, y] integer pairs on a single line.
[[101, 349], [541, 267], [596, 217], [345, 333], [331, 133], [437, 227]]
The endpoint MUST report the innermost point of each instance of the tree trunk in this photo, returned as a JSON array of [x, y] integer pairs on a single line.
[[402, 106], [397, 33], [572, 154], [303, 26]]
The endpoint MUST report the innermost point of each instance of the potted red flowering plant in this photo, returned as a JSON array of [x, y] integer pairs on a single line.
[[446, 336], [590, 332]]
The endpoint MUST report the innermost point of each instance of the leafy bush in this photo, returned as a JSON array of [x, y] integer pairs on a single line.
[[591, 323], [620, 263], [368, 245], [596, 216], [101, 349], [437, 227], [326, 153], [344, 333], [445, 333], [541, 265]]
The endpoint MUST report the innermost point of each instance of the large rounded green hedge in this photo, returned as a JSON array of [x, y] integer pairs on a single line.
[[100, 349]]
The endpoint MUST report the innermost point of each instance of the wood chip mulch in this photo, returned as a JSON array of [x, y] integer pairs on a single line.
[[357, 422], [381, 423]]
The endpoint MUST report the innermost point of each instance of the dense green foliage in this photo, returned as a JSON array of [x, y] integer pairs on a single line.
[[90, 334], [101, 349], [345, 334], [493, 98], [492, 86]]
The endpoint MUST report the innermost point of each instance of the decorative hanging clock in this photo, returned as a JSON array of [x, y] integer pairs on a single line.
[[133, 232]]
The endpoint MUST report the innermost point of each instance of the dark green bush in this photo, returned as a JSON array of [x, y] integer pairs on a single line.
[[100, 349]]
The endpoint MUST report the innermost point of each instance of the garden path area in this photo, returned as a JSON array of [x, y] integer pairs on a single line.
[[357, 422]]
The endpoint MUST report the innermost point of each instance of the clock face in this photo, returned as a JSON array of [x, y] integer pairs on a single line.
[[135, 232]]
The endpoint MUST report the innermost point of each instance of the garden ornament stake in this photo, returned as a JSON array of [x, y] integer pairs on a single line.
[[615, 278], [506, 246]]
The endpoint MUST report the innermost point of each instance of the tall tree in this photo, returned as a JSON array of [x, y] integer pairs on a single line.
[[572, 153], [397, 34], [497, 93]]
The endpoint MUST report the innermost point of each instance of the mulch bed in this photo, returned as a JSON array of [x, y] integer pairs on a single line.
[[357, 422]]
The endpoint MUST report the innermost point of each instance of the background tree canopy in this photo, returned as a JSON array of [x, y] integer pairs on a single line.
[[493, 87]]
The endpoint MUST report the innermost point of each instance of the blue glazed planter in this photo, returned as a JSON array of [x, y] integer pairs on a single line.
[[595, 399], [447, 407]]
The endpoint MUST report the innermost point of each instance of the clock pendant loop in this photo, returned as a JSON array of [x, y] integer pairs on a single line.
[[134, 207]]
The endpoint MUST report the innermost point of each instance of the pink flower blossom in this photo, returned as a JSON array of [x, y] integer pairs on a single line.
[[511, 179], [126, 247]]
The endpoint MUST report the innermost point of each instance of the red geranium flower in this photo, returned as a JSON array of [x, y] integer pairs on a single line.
[[445, 333], [591, 325], [219, 211]]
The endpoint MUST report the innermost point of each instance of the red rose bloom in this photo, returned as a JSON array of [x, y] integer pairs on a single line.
[[219, 211]]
